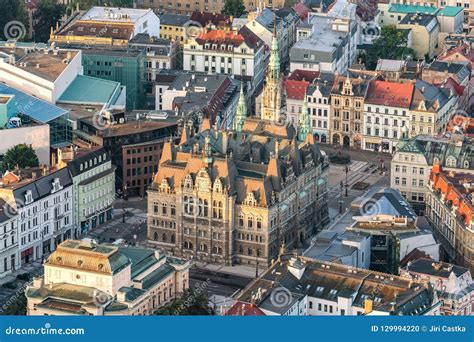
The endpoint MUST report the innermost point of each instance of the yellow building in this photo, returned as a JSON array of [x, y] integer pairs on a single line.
[[425, 30]]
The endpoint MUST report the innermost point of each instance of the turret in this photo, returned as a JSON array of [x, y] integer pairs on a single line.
[[241, 111], [304, 123]]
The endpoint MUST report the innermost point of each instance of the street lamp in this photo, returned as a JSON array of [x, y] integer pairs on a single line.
[[340, 200], [123, 202], [347, 185]]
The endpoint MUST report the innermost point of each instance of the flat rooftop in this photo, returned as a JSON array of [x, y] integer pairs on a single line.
[[47, 64], [323, 38], [115, 14]]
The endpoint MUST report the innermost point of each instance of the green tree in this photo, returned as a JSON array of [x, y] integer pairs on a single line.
[[21, 155], [391, 44], [234, 8], [48, 14], [13, 11], [191, 303]]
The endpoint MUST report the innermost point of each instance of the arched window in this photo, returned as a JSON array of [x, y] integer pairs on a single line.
[[241, 249], [203, 247], [164, 237], [173, 238], [155, 236]]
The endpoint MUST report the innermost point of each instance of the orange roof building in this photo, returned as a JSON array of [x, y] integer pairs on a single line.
[[450, 210]]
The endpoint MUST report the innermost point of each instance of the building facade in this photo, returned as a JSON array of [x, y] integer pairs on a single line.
[[450, 210], [229, 197], [386, 115], [83, 278], [413, 159], [241, 54], [9, 252], [347, 110], [45, 211], [93, 178], [321, 288], [453, 284], [188, 7]]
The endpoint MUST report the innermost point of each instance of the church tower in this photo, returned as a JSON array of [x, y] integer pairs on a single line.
[[241, 111], [271, 97]]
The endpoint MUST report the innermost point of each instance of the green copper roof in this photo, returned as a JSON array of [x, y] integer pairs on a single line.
[[156, 276], [410, 146], [90, 90], [450, 11], [399, 8]]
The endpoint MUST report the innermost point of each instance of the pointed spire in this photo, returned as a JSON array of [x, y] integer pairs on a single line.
[[304, 122], [241, 110]]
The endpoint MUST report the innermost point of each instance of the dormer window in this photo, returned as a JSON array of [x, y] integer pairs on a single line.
[[28, 197], [56, 186]]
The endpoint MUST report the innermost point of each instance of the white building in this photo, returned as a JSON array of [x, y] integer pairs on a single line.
[[331, 46], [44, 205], [105, 280], [453, 284], [412, 161], [39, 70], [9, 253], [143, 21], [319, 106], [241, 54], [386, 117], [307, 287]]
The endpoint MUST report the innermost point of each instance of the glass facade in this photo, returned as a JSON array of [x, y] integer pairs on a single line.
[[127, 67]]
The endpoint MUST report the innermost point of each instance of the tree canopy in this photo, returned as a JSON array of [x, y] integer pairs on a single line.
[[234, 8], [47, 15], [21, 155], [192, 302], [392, 44]]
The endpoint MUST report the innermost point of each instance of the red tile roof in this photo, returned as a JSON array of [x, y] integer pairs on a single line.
[[304, 75], [452, 185], [217, 19], [390, 94], [301, 9], [244, 309], [296, 90], [221, 37]]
